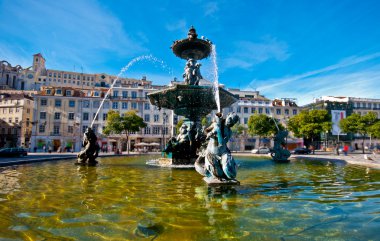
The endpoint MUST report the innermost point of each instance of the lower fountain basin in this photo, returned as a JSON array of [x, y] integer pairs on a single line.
[[124, 199]]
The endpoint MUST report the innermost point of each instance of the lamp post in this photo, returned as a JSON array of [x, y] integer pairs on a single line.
[[326, 141]]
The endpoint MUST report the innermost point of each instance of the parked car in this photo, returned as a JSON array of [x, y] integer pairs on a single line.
[[14, 151], [301, 150], [261, 150]]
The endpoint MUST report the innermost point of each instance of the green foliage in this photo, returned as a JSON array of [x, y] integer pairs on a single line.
[[374, 130], [356, 123], [310, 123], [116, 124], [262, 125], [238, 129], [363, 125], [205, 122], [178, 126]]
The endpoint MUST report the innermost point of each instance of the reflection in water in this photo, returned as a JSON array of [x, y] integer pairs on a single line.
[[125, 199], [9, 181]]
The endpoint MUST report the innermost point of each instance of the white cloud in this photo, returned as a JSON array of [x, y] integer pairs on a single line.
[[346, 78], [178, 25], [210, 8], [73, 30], [249, 53]]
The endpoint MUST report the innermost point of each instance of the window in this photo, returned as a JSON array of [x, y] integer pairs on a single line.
[[124, 105], [260, 110], [85, 116], [93, 116], [57, 115], [134, 94], [115, 105], [238, 109], [147, 130], [70, 129], [294, 112], [147, 106], [86, 104], [71, 116], [106, 105], [96, 104], [56, 130], [267, 111], [43, 115], [115, 93], [253, 110], [48, 92], [58, 92], [245, 109], [286, 112], [146, 117], [156, 130], [125, 94], [134, 105], [278, 111], [156, 118], [96, 93], [245, 120], [16, 120], [68, 92], [41, 129], [84, 128], [104, 117], [71, 103], [58, 103]]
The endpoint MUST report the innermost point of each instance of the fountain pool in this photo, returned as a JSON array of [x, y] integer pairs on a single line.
[[125, 199]]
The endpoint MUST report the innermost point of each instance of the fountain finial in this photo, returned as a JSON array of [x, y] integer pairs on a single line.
[[192, 34]]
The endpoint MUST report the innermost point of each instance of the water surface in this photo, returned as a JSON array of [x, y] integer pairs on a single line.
[[125, 199]]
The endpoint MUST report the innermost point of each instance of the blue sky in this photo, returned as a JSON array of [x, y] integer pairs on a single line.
[[283, 48]]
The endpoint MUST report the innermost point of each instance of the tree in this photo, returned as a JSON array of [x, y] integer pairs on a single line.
[[374, 130], [237, 131], [362, 125], [262, 125], [310, 123], [117, 124]]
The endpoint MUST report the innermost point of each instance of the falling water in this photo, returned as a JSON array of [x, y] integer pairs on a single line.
[[215, 75], [123, 70]]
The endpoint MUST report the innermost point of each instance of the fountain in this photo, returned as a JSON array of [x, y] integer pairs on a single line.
[[205, 147]]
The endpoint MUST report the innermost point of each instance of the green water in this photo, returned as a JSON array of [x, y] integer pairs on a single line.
[[295, 201]]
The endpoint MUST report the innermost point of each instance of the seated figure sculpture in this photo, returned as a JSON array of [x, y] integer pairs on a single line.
[[179, 144], [219, 165], [91, 148], [278, 152]]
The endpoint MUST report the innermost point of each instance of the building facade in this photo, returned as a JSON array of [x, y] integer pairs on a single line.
[[16, 115]]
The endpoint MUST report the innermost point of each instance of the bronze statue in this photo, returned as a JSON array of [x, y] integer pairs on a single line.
[[219, 165], [91, 148]]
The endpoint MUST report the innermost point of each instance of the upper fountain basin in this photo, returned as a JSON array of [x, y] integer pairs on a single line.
[[192, 48], [190, 100]]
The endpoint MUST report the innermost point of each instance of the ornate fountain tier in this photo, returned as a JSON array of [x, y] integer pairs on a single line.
[[192, 47], [191, 101]]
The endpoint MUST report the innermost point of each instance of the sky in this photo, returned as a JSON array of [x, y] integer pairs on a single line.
[[283, 48]]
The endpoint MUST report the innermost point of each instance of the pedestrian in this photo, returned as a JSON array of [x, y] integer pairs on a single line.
[[345, 149], [337, 149], [44, 148]]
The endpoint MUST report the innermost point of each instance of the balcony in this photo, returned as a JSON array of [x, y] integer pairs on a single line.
[[55, 134]]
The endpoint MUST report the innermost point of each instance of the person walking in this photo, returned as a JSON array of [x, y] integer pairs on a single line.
[[345, 150]]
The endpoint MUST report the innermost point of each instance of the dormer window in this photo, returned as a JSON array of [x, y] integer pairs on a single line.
[[68, 92], [58, 92], [48, 92]]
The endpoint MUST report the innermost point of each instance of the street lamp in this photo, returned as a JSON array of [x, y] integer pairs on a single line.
[[326, 141]]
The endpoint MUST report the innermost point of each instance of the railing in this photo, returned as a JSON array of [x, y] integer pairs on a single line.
[[55, 134]]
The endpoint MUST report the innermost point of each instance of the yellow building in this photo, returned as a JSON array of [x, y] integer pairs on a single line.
[[16, 114]]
